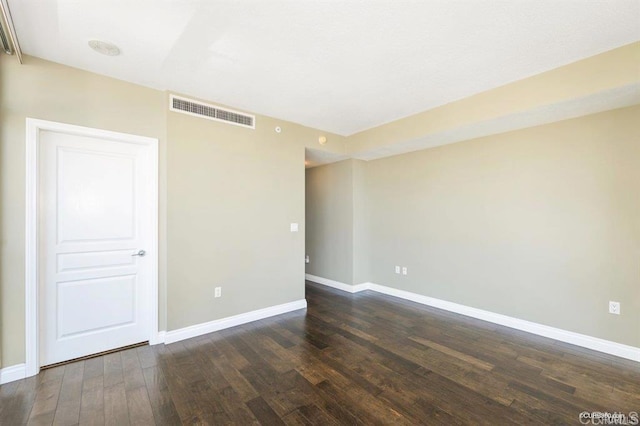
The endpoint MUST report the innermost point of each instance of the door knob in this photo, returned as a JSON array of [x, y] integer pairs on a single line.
[[140, 253]]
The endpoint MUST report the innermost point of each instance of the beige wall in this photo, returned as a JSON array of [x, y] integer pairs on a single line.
[[227, 195], [329, 218], [361, 242], [541, 224], [233, 193], [337, 222]]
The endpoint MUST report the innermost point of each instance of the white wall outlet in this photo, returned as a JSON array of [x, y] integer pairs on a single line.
[[306, 259], [218, 292], [404, 270], [614, 308], [294, 227], [397, 269]]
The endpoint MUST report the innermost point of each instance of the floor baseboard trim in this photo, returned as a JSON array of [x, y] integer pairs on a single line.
[[216, 325], [337, 284], [13, 373], [158, 338], [589, 342]]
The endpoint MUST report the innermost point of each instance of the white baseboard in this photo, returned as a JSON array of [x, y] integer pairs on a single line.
[[595, 343], [13, 373], [337, 284], [211, 326], [158, 338]]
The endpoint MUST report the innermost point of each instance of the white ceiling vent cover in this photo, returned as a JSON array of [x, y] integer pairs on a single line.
[[212, 112]]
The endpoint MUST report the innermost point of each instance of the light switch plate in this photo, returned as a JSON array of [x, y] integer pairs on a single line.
[[294, 227]]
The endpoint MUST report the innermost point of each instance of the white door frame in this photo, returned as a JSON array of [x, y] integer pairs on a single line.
[[34, 127]]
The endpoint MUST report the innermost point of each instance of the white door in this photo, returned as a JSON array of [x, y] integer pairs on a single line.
[[95, 210]]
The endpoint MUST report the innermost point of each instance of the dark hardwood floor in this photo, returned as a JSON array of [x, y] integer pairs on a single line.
[[349, 359]]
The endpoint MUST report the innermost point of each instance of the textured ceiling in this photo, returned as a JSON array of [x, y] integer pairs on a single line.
[[341, 66]]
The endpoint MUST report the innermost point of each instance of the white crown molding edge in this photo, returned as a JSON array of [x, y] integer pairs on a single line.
[[173, 336], [582, 340], [13, 373]]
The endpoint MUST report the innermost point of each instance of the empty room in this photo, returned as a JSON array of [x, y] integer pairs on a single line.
[[330, 212]]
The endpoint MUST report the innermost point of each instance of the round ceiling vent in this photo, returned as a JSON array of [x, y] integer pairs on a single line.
[[104, 47]]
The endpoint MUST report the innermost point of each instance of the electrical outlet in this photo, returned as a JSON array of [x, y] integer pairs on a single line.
[[614, 308], [306, 259], [218, 292], [404, 270], [397, 269]]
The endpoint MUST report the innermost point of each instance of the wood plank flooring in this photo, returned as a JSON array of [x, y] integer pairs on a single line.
[[349, 359]]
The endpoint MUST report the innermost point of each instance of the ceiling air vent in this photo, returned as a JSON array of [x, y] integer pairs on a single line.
[[212, 112]]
